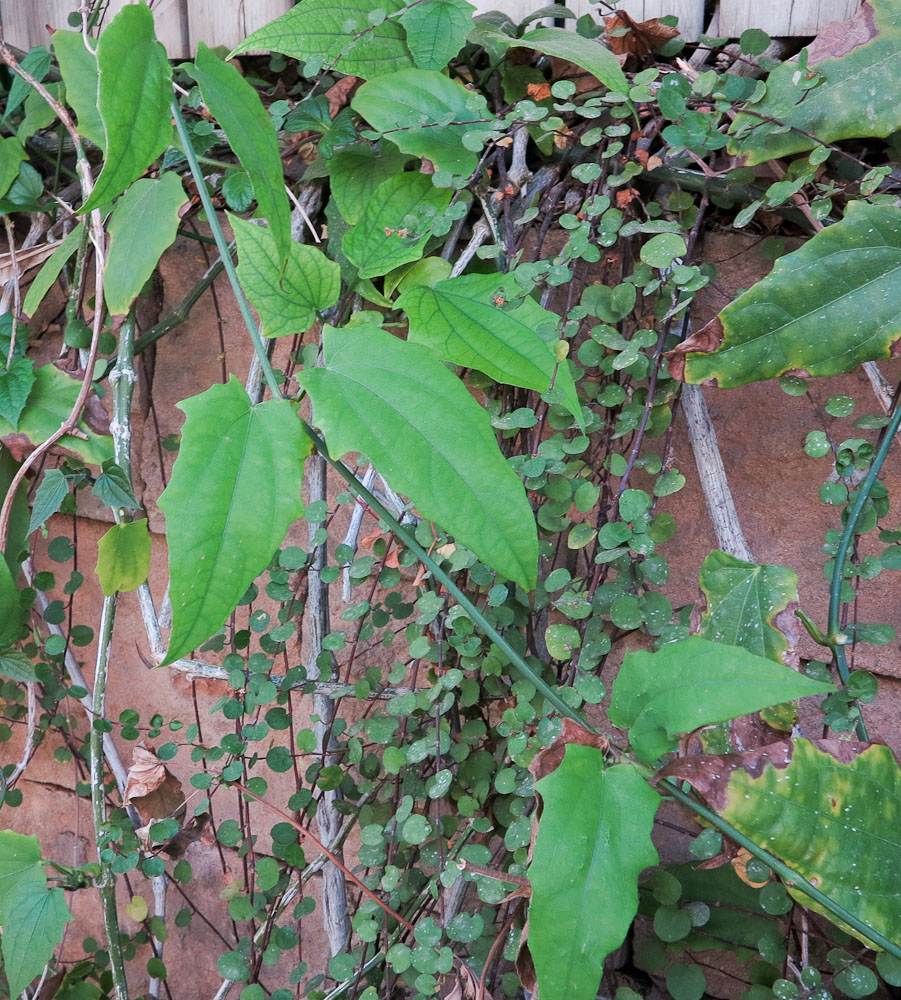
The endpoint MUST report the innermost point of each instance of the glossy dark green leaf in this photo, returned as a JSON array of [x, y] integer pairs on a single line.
[[594, 839], [427, 114], [461, 322], [133, 98], [238, 109], [857, 98], [337, 33], [114, 488], [436, 31], [379, 241], [143, 225], [695, 682], [79, 71], [235, 489], [743, 602], [123, 557], [826, 308], [286, 298], [402, 407]]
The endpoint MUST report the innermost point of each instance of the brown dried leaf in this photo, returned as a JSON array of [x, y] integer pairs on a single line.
[[641, 38], [539, 91], [340, 94], [461, 984], [25, 259], [703, 341], [739, 865], [549, 760], [154, 791]]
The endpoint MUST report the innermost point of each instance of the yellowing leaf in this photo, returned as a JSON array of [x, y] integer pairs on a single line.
[[123, 557]]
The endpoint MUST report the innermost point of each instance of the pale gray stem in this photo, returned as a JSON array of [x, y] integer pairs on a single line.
[[712, 473], [28, 750], [160, 883], [480, 233], [353, 534], [335, 919]]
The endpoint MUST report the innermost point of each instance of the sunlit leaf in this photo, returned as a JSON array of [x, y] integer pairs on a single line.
[[693, 683], [436, 31], [235, 489], [399, 405], [123, 557], [133, 98]]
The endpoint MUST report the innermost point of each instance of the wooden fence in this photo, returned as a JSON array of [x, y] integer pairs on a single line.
[[181, 24]]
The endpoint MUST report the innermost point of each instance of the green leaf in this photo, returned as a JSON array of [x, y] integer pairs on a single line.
[[744, 602], [49, 498], [356, 171], [399, 405], [827, 808], [113, 487], [585, 52], [594, 838], [859, 96], [824, 309], [377, 243], [17, 534], [286, 298], [436, 31], [36, 62], [693, 683], [50, 270], [427, 114], [660, 251], [10, 608], [49, 404], [12, 153], [133, 97], [15, 666], [123, 557], [33, 916], [143, 225], [235, 489], [238, 109], [79, 71], [16, 382], [460, 322], [336, 32]]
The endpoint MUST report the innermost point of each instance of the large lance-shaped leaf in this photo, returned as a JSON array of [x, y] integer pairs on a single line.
[[143, 225], [401, 406], [695, 682], [594, 838], [744, 602], [591, 55], [133, 98], [337, 32], [427, 114], [50, 270], [33, 916], [859, 97], [378, 242], [78, 67], [49, 404], [238, 109], [234, 492], [459, 321], [823, 309], [830, 809], [287, 299]]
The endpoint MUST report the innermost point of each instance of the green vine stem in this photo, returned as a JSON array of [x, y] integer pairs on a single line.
[[786, 873], [835, 587]]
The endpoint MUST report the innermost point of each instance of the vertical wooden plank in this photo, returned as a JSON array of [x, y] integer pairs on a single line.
[[25, 21], [689, 12], [170, 18], [777, 17], [227, 22]]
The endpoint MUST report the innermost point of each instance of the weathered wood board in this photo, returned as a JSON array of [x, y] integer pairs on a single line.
[[779, 18], [689, 12]]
